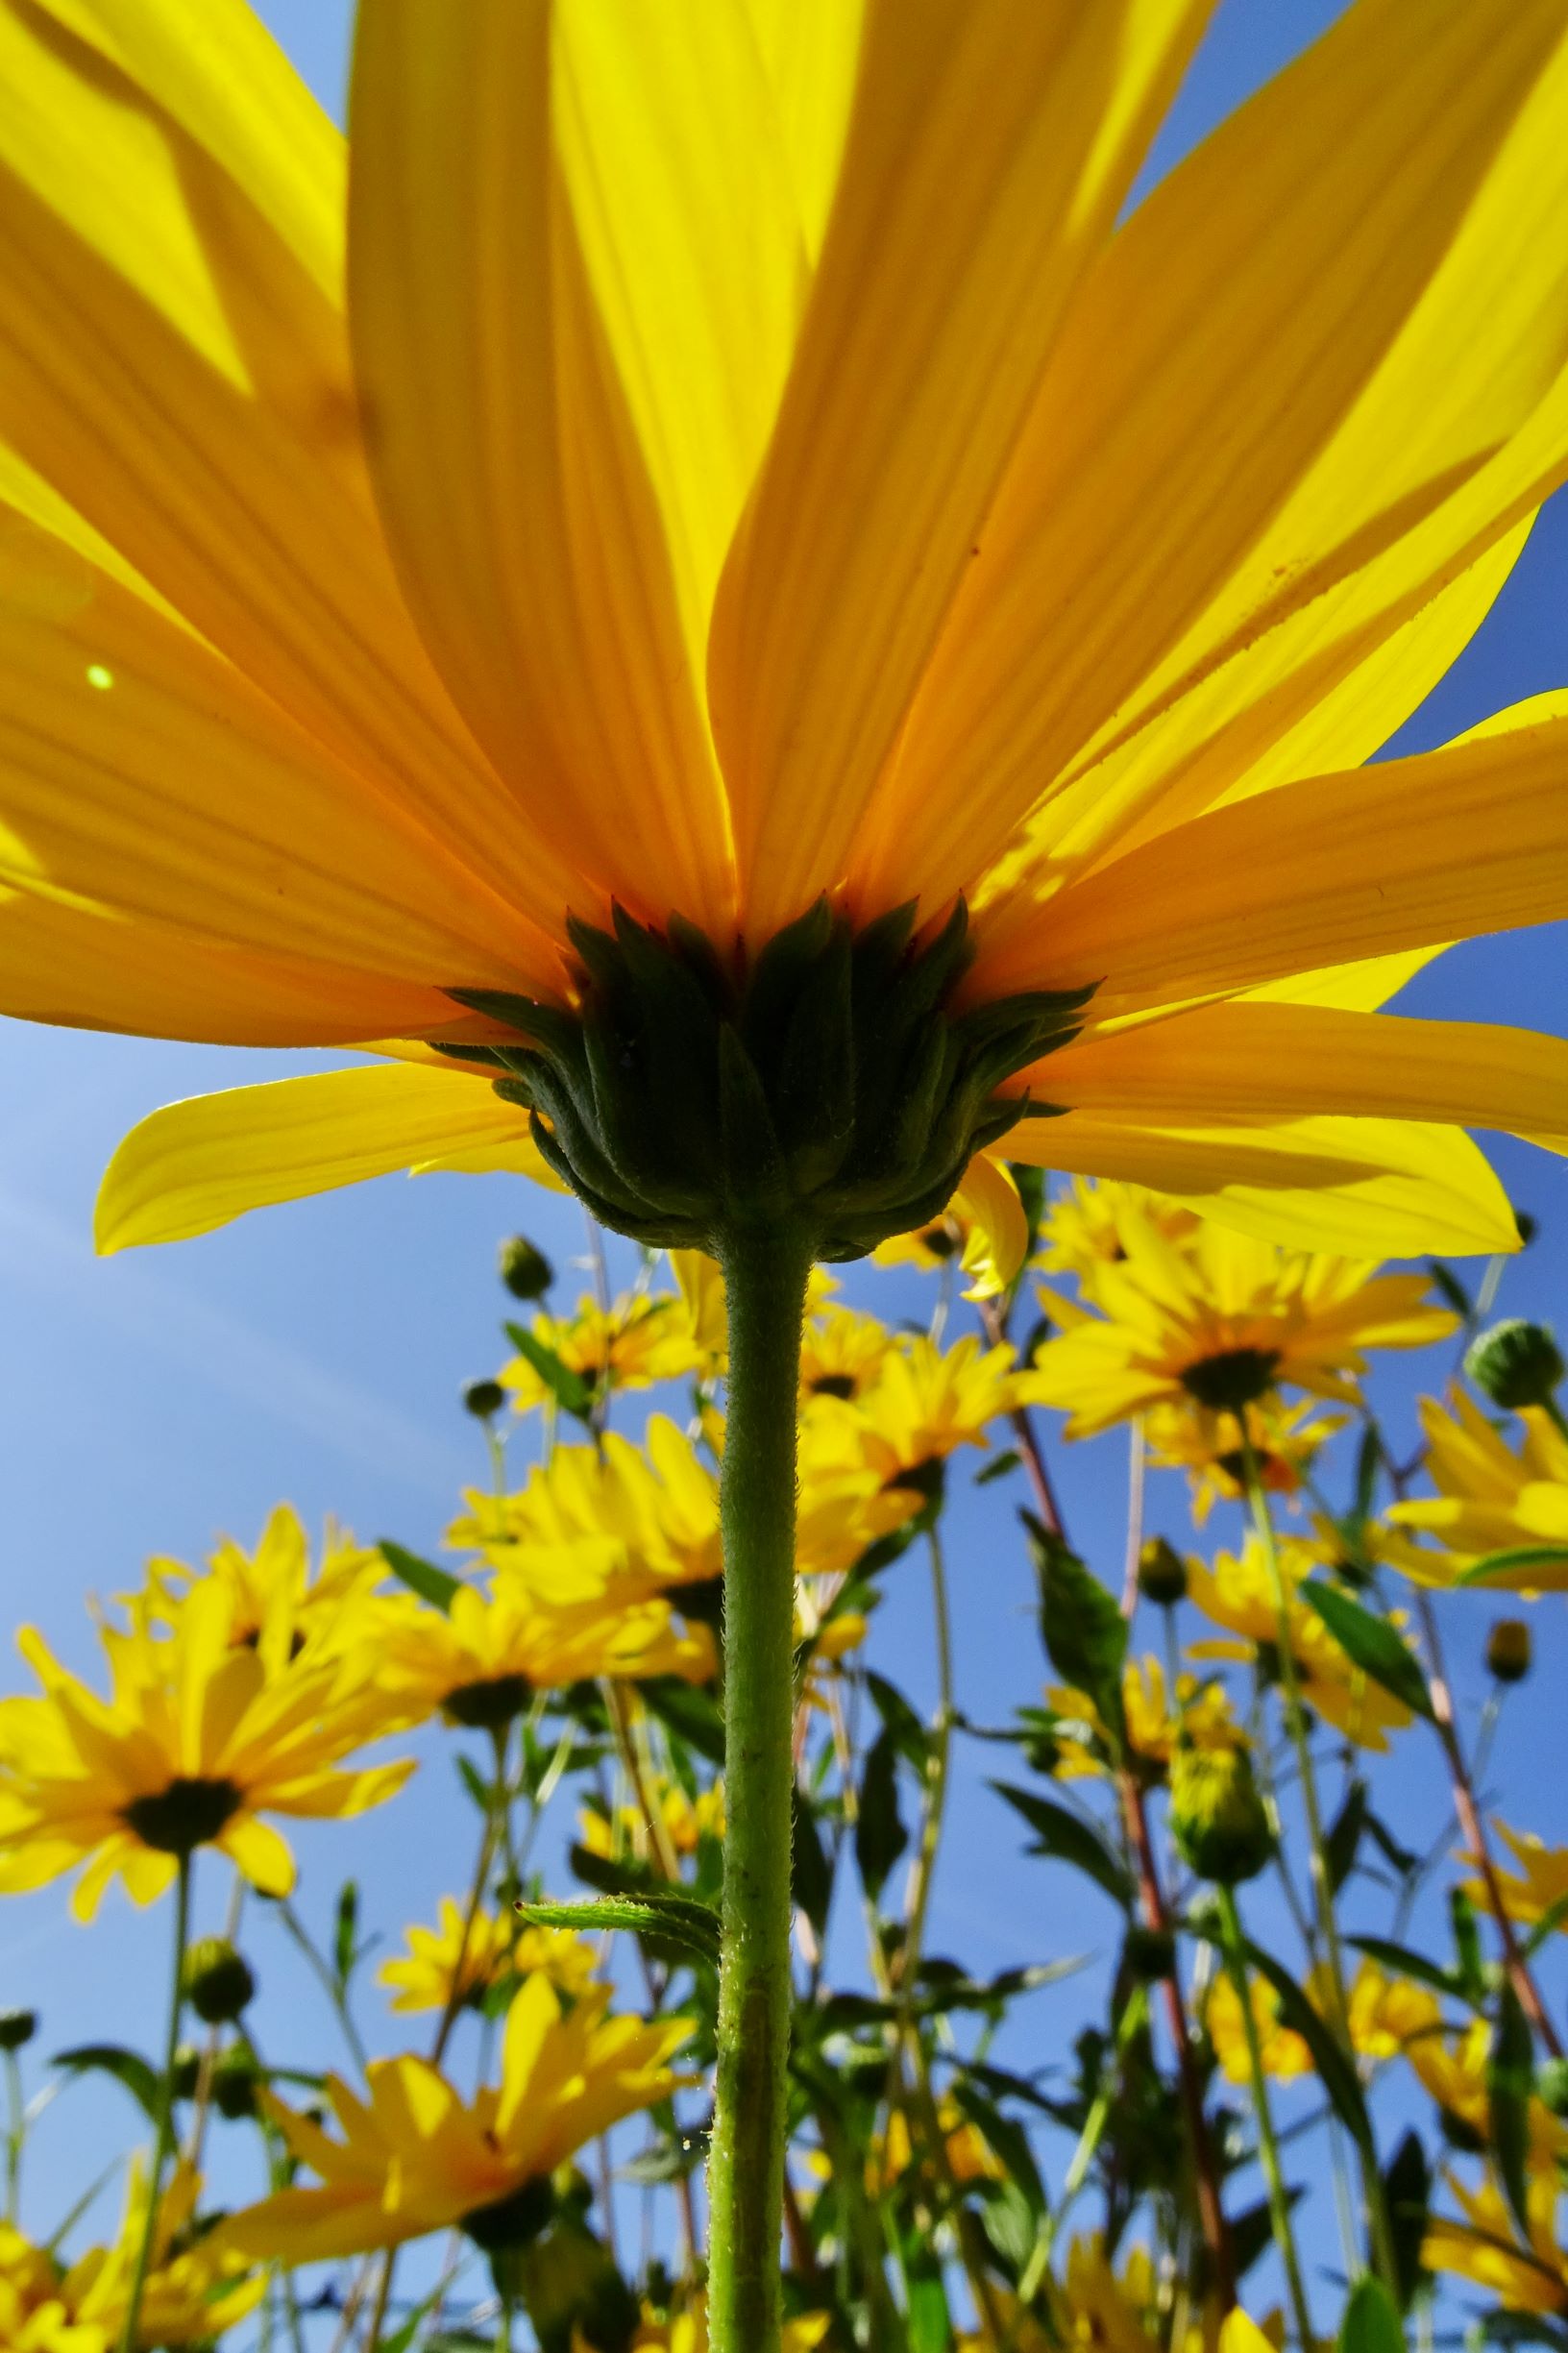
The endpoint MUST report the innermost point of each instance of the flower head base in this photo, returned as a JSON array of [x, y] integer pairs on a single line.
[[828, 1084]]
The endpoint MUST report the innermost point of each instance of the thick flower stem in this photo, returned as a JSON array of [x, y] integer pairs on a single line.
[[765, 1284], [163, 2139]]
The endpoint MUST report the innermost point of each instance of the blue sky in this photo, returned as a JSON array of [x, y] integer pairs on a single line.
[[315, 1353]]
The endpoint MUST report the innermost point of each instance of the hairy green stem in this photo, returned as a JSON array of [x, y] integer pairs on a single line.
[[1268, 2148], [764, 1285], [163, 2137]]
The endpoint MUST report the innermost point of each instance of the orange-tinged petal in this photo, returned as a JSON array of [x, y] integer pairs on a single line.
[[1314, 334], [195, 1165], [810, 51], [507, 461], [989, 147]]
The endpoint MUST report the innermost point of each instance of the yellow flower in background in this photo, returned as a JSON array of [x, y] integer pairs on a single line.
[[1386, 2017], [657, 1499], [639, 1341], [686, 1822], [480, 1662], [1238, 1593], [1081, 1230], [983, 1229], [482, 1953], [34, 2317], [198, 1740], [1452, 2069], [416, 2156], [1541, 1882], [310, 730], [1283, 2051], [687, 2332], [1203, 1714], [275, 1586], [1486, 2247], [196, 2285], [1286, 1440], [1219, 1319], [841, 1353], [1491, 1498], [925, 1404]]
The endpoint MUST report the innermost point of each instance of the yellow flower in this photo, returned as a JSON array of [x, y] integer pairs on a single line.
[[893, 531], [1221, 1319], [415, 2156], [481, 1661], [196, 2286], [639, 1341], [983, 1228], [841, 1353], [1238, 1592], [1188, 1436], [197, 1742], [687, 2332], [34, 2316], [889, 2156], [1283, 2051], [1388, 2016], [1081, 1230], [1203, 1714], [494, 1947], [1490, 1499], [1486, 2247], [686, 1822], [1452, 2069], [924, 1403], [275, 1585], [1544, 1879], [1385, 2016]]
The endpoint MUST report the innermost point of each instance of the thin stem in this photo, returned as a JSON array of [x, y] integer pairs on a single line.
[[163, 2138], [764, 1286], [1032, 2277], [1138, 1463], [17, 2133], [1268, 2148], [328, 1977]]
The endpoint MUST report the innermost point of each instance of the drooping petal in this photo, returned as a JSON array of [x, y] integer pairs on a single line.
[[1287, 1061], [1445, 845], [260, 1853], [195, 1165], [518, 499], [989, 147], [1306, 346], [1366, 1188], [1000, 1244]]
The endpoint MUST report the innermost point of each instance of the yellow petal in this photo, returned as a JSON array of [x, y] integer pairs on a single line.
[[1286, 1062], [195, 1165], [1445, 845], [177, 363], [508, 464], [810, 50], [1318, 330], [1000, 1244], [1364, 1187], [948, 258], [1359, 988]]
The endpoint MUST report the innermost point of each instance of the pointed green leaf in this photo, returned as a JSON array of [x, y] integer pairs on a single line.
[[1371, 2324], [1510, 2074], [571, 1391], [1069, 1839], [1335, 2069], [437, 1586], [1372, 1644], [679, 1920], [1084, 1630]]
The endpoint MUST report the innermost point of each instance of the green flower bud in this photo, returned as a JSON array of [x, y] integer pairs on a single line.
[[573, 2292], [186, 2071], [217, 1980], [1150, 1953], [234, 2083], [484, 1399], [1509, 1650], [1217, 1816], [16, 2028], [1516, 1364], [1552, 2084], [1162, 1573], [525, 1271]]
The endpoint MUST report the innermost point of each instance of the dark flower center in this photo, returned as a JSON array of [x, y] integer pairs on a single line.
[[485, 1706], [1233, 1378], [185, 1815]]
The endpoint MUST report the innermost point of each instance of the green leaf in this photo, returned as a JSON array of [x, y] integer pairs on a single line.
[[1067, 1838], [435, 1585], [690, 1712], [1082, 1628], [1470, 1967], [677, 1920], [1509, 2073], [571, 1391], [1368, 1463], [1344, 1836], [1406, 2191], [998, 1467], [1512, 1563], [1371, 2324], [1336, 2071], [344, 1931], [880, 1835], [904, 1727], [1452, 1288], [1252, 2231], [811, 1874], [127, 2066], [1405, 1962], [1552, 1918], [1372, 1644]]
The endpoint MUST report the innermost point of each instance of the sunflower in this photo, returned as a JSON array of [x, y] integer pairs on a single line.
[[465, 1960], [196, 2287], [1285, 1442], [686, 1820], [924, 1403], [1201, 1715], [1238, 1593], [1080, 1231], [1540, 1883], [1491, 1498], [1384, 2016], [1220, 1319], [275, 1585], [197, 1742], [634, 1342], [1525, 2275], [414, 2156], [1454, 2070]]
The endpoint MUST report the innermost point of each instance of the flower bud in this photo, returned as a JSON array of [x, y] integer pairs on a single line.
[[16, 2028], [1150, 1953], [234, 2081], [217, 1980], [1162, 1573], [1217, 1817], [1552, 2084], [573, 2292], [1516, 1364], [525, 1271], [484, 1399], [186, 2071], [1507, 1650]]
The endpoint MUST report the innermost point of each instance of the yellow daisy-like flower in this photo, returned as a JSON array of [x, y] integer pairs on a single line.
[[1452, 2069], [275, 1582], [415, 2156], [1081, 1230], [1386, 2017], [686, 1822], [34, 2316], [1286, 1440], [813, 513], [197, 1742], [1490, 1499], [1239, 1592], [1220, 1319], [1203, 1715], [983, 1228], [639, 1341], [687, 2332], [925, 1404], [1524, 2275], [1541, 1882], [1284, 2053], [841, 1353], [490, 1949], [196, 2287], [480, 1662]]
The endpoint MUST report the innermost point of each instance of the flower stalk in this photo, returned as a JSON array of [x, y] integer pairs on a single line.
[[1268, 2148], [163, 2136]]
